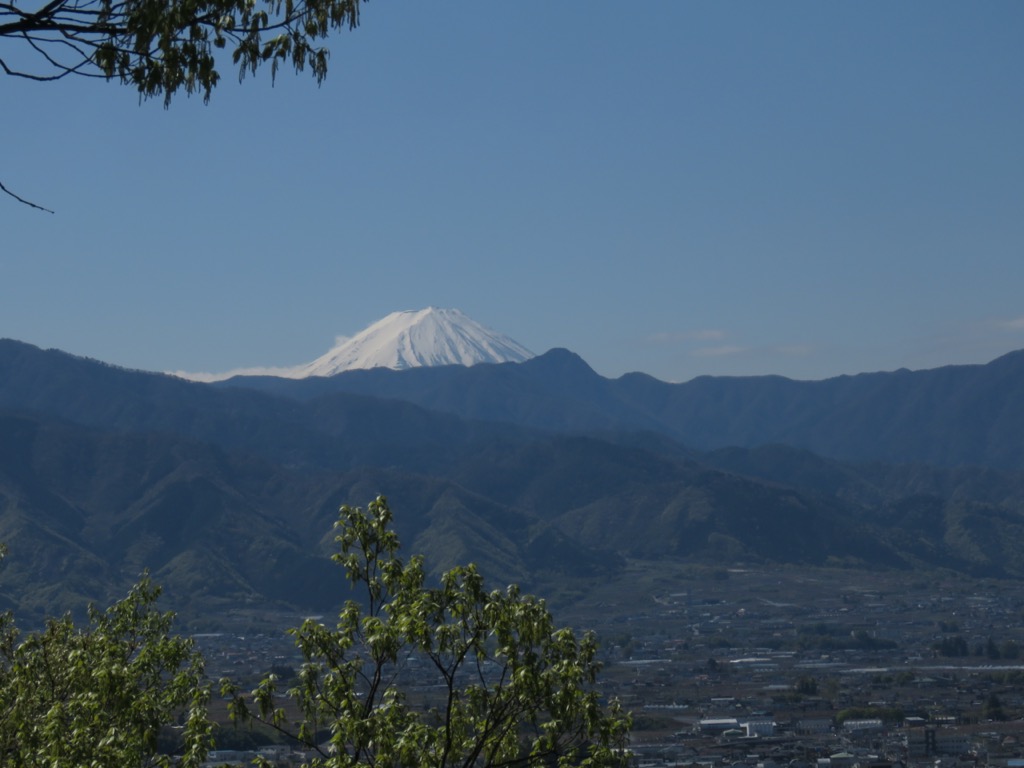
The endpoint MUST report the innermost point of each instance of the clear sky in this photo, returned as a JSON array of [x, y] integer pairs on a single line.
[[681, 188]]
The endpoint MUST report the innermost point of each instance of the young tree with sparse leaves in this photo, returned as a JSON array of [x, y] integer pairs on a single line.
[[509, 688]]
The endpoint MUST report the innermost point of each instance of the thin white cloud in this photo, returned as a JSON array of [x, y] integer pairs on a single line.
[[292, 372], [676, 337], [211, 377], [795, 350], [723, 350], [1014, 324]]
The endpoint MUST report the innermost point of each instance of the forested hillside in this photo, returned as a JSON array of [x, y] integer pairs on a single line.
[[228, 494]]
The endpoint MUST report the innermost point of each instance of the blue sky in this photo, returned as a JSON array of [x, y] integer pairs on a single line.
[[681, 188]]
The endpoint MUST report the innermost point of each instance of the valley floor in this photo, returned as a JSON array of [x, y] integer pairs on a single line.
[[786, 666]]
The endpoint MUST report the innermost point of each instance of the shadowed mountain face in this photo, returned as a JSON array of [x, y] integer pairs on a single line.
[[970, 414], [537, 471]]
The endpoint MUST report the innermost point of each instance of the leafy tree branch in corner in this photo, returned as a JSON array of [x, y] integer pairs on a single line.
[[163, 47]]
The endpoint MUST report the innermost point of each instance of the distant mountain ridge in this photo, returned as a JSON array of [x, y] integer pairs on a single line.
[[964, 414], [407, 339], [533, 470]]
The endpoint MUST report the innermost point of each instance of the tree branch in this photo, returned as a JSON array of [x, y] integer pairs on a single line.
[[28, 21], [29, 203]]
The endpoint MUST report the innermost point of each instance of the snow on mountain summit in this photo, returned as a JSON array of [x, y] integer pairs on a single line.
[[409, 339], [416, 338]]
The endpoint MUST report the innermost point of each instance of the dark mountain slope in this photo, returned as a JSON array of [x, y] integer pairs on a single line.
[[946, 416], [337, 431], [971, 414], [556, 391], [965, 519], [228, 495], [84, 511], [870, 484], [770, 505]]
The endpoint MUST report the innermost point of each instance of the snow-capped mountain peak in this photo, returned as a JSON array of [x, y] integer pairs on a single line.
[[415, 338], [409, 339]]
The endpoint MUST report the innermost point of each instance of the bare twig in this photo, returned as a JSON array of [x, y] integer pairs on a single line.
[[23, 200]]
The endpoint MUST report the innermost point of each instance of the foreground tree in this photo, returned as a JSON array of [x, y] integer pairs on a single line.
[[506, 687], [99, 695], [163, 46]]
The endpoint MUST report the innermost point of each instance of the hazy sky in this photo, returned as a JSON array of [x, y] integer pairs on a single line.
[[681, 188]]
